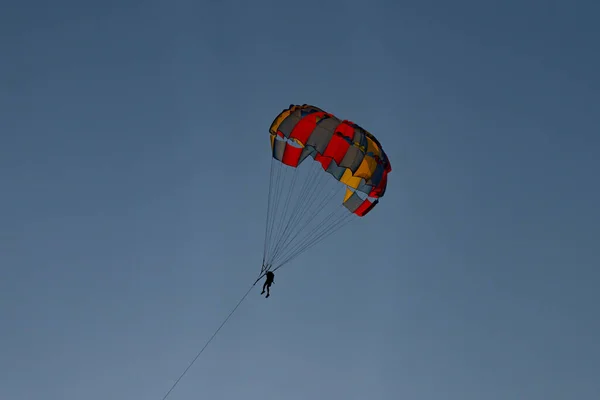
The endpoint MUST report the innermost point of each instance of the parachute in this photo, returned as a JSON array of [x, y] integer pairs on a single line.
[[317, 160], [325, 172]]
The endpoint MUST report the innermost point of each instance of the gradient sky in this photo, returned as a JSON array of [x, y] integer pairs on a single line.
[[134, 160]]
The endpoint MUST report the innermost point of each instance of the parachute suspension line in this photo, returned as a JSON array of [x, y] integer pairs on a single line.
[[280, 227], [340, 223], [274, 191], [307, 235], [209, 340], [303, 203], [282, 173], [305, 216], [268, 211], [319, 207], [333, 222], [274, 203]]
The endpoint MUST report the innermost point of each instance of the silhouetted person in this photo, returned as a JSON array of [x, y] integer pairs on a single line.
[[268, 282]]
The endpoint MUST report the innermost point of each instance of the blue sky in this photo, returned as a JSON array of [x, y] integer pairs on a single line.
[[134, 161]]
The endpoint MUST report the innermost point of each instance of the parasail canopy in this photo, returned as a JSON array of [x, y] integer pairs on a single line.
[[325, 171]]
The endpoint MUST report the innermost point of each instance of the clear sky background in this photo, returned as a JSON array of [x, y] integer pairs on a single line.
[[134, 165]]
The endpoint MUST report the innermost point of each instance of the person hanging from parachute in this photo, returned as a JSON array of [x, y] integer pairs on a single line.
[[268, 282]]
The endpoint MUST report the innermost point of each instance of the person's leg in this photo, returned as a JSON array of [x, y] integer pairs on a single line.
[[264, 285], [268, 291]]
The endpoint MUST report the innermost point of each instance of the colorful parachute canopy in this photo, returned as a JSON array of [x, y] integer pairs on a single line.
[[351, 154], [347, 152]]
